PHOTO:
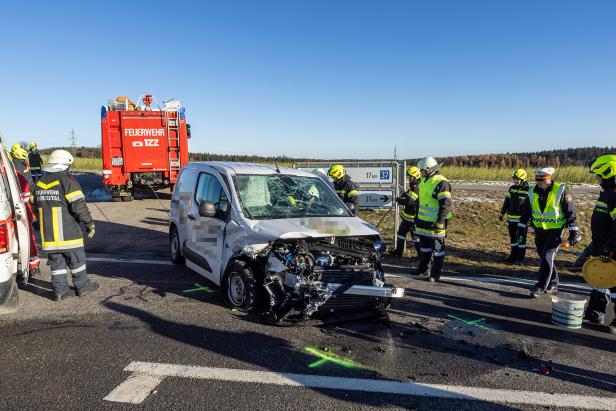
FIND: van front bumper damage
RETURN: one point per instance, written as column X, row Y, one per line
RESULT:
column 325, row 279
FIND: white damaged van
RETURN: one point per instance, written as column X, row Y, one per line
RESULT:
column 280, row 235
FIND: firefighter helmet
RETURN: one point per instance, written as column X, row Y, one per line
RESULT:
column 17, row 151
column 604, row 166
column 414, row 173
column 32, row 145
column 428, row 164
column 520, row 174
column 62, row 157
column 336, row 171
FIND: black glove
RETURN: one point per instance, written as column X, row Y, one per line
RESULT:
column 574, row 237
column 605, row 256
column 500, row 217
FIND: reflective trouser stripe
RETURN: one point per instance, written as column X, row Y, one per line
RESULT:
column 522, row 245
column 439, row 253
column 514, row 244
column 401, row 237
column 59, row 272
column 425, row 250
column 78, row 269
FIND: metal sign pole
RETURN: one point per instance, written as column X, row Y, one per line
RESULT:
column 396, row 207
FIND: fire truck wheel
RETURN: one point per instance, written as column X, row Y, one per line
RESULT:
column 128, row 198
column 115, row 199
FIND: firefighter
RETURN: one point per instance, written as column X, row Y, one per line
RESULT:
column 549, row 207
column 36, row 162
column 61, row 209
column 408, row 200
column 433, row 215
column 20, row 161
column 345, row 187
column 603, row 226
column 511, row 208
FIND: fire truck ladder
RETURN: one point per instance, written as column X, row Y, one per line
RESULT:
column 173, row 141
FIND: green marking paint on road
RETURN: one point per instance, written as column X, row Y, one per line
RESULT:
column 199, row 288
column 476, row 323
column 326, row 356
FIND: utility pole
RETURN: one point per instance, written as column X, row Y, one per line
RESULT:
column 395, row 153
column 73, row 141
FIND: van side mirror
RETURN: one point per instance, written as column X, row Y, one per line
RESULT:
column 207, row 209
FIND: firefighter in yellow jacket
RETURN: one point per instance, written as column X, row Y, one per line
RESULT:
column 62, row 209
column 432, row 217
column 408, row 201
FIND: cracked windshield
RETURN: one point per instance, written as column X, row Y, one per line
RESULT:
column 266, row 197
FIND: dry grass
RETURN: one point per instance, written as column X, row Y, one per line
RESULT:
column 478, row 242
column 565, row 174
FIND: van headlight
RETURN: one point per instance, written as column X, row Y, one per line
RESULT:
column 380, row 246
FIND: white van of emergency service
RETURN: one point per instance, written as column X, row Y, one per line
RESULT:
column 277, row 235
column 14, row 235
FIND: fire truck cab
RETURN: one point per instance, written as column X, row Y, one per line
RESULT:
column 143, row 145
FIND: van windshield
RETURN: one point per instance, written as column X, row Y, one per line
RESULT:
column 265, row 197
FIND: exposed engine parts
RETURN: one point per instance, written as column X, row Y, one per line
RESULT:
column 320, row 277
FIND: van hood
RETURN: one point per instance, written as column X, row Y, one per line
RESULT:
column 310, row 227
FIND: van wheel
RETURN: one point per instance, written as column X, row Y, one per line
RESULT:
column 128, row 198
column 116, row 199
column 175, row 251
column 239, row 287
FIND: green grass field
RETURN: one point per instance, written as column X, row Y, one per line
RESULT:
column 565, row 174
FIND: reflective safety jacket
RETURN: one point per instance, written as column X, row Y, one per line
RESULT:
column 61, row 208
column 434, row 206
column 409, row 201
column 512, row 206
column 603, row 221
column 348, row 192
column 549, row 209
column 35, row 160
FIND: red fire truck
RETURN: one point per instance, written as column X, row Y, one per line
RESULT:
column 144, row 145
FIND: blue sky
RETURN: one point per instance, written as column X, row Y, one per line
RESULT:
column 321, row 79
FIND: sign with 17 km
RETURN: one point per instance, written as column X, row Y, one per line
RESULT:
column 364, row 174
column 376, row 198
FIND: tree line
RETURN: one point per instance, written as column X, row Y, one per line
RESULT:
column 556, row 158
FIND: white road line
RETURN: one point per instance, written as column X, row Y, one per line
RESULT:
column 360, row 384
column 128, row 261
column 135, row 388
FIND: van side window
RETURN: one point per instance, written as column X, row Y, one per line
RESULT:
column 210, row 189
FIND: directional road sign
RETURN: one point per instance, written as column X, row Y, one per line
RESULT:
column 376, row 198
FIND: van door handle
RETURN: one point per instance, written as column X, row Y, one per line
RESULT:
column 192, row 217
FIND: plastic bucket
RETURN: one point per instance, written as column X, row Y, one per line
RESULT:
column 568, row 310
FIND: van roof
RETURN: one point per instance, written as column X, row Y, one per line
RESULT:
column 230, row 167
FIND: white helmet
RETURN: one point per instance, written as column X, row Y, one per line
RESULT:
column 62, row 157
column 428, row 164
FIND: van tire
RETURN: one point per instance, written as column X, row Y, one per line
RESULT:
column 175, row 248
column 239, row 287
column 116, row 199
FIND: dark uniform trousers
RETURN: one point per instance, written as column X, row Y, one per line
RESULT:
column 518, row 244
column 547, row 242
column 405, row 228
column 597, row 306
column 431, row 255
column 75, row 261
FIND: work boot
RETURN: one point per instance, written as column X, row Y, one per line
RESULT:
column 594, row 319
column 35, row 272
column 552, row 289
column 431, row 279
column 88, row 288
column 612, row 328
column 510, row 259
column 64, row 296
column 536, row 292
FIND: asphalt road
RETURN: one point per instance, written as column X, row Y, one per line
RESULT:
column 481, row 341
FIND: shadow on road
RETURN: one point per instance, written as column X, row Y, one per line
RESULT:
column 263, row 351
